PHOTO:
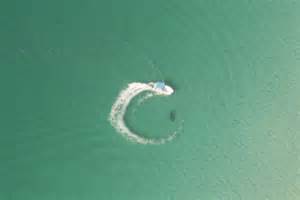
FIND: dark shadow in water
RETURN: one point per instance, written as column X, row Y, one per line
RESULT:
column 172, row 115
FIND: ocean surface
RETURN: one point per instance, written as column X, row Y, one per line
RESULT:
column 235, row 68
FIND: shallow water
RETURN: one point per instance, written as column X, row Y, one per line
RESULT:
column 235, row 69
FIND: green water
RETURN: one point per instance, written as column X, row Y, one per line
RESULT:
column 235, row 66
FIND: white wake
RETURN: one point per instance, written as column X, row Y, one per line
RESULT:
column 119, row 109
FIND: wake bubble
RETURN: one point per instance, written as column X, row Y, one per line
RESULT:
column 119, row 109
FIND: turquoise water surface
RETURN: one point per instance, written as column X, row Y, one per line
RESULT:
column 235, row 67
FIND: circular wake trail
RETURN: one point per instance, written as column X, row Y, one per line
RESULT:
column 119, row 109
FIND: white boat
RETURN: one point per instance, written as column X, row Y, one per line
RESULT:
column 161, row 88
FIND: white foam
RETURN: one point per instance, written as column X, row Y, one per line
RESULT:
column 119, row 108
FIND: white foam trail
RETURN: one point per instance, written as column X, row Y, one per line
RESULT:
column 119, row 108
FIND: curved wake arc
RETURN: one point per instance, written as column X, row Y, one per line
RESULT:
column 119, row 109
